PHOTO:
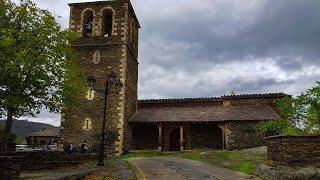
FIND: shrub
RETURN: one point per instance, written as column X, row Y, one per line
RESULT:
column 271, row 128
column 296, row 131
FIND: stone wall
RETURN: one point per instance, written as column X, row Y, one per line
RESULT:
column 294, row 150
column 46, row 160
column 10, row 167
column 131, row 96
column 206, row 136
column 238, row 136
column 145, row 137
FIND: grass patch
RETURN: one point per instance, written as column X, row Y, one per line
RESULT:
column 192, row 156
column 247, row 167
column 234, row 160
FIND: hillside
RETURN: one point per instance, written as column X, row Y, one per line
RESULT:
column 23, row 128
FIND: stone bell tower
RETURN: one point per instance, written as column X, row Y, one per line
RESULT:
column 108, row 41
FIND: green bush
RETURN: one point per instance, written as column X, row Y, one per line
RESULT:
column 297, row 131
column 271, row 128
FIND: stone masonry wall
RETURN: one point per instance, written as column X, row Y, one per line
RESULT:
column 294, row 150
column 10, row 167
column 238, row 136
column 131, row 97
column 44, row 160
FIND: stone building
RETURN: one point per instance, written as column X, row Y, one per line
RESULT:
column 43, row 137
column 108, row 41
column 193, row 123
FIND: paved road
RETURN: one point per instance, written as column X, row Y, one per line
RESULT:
column 172, row 168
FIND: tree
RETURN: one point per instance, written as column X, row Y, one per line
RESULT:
column 285, row 108
column 271, row 128
column 307, row 108
column 37, row 66
column 304, row 109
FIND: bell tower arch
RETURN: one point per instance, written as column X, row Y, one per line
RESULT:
column 105, row 44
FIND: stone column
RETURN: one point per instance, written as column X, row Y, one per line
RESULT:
column 160, row 138
column 181, row 138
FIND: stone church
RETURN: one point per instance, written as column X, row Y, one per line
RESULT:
column 111, row 44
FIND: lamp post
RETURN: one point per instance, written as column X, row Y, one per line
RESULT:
column 112, row 80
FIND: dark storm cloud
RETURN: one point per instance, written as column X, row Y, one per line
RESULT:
column 214, row 36
column 290, row 64
column 255, row 86
column 281, row 28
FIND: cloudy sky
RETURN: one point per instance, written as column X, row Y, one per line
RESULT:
column 209, row 48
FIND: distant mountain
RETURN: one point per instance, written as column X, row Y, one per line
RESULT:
column 22, row 128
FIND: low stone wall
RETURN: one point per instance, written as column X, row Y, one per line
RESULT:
column 47, row 160
column 294, row 150
column 10, row 167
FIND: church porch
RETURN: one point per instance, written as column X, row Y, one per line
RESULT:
column 177, row 136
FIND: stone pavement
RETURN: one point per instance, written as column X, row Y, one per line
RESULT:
column 117, row 169
column 122, row 170
column 167, row 168
column 151, row 168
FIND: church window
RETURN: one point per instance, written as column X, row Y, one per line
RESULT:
column 90, row 94
column 87, row 124
column 107, row 22
column 96, row 57
column 87, row 24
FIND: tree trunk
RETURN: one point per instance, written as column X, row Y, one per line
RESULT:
column 6, row 135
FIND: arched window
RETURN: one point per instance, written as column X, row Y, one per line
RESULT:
column 90, row 94
column 87, row 24
column 107, row 20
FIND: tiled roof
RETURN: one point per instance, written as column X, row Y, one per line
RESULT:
column 205, row 114
column 240, row 96
column 46, row 132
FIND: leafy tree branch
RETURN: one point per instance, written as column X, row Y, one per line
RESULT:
column 37, row 65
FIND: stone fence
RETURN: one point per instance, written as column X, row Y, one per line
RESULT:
column 10, row 167
column 47, row 160
column 291, row 150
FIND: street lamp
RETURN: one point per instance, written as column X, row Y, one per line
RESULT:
column 112, row 80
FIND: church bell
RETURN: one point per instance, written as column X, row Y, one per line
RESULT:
column 88, row 27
